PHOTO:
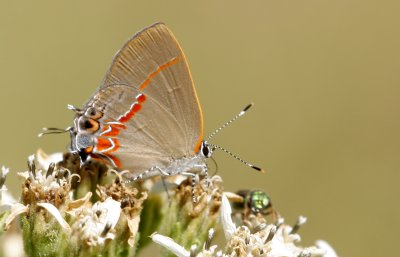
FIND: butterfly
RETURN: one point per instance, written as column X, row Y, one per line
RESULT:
column 145, row 117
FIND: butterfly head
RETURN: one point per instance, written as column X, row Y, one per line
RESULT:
column 84, row 132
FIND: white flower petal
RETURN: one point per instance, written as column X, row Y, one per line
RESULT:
column 102, row 240
column 329, row 252
column 80, row 202
column 6, row 201
column 112, row 211
column 7, row 198
column 56, row 214
column 44, row 159
column 4, row 171
column 24, row 175
column 170, row 245
column 280, row 249
column 226, row 219
column 302, row 220
column 133, row 225
column 95, row 223
column 16, row 209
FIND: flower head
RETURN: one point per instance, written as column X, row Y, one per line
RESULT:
column 131, row 202
column 95, row 225
column 54, row 220
column 51, row 186
column 258, row 239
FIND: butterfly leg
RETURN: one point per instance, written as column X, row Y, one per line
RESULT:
column 162, row 172
column 153, row 171
column 140, row 176
column 165, row 188
column 206, row 174
column 204, row 170
column 193, row 175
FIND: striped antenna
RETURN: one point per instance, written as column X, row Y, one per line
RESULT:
column 240, row 114
column 237, row 158
column 47, row 131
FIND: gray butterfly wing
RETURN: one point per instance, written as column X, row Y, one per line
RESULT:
column 149, row 98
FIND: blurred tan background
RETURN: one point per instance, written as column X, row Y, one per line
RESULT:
column 324, row 77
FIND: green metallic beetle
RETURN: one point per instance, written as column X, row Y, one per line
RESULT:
column 256, row 200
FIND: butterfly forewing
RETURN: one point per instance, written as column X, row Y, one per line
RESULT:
column 151, row 110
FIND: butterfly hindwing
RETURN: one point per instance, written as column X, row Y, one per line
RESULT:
column 150, row 106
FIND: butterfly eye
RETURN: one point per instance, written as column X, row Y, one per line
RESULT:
column 206, row 149
column 93, row 113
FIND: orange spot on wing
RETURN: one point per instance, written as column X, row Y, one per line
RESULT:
column 103, row 144
column 159, row 69
column 89, row 149
column 116, row 161
column 141, row 98
column 135, row 108
column 114, row 130
column 116, row 145
column 107, row 144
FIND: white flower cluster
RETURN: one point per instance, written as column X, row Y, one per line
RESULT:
column 44, row 179
column 94, row 225
column 273, row 240
column 93, row 222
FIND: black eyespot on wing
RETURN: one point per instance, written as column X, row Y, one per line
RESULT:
column 87, row 124
column 84, row 123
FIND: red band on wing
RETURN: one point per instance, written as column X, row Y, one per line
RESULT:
column 107, row 144
column 141, row 98
column 113, row 130
column 159, row 69
column 103, row 144
column 134, row 109
column 114, row 161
